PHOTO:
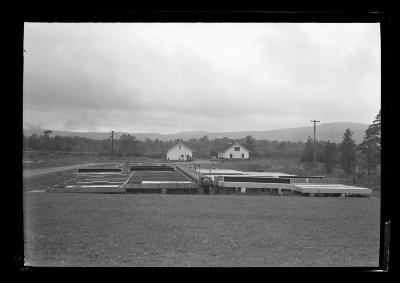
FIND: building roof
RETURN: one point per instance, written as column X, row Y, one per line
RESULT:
column 236, row 144
column 180, row 142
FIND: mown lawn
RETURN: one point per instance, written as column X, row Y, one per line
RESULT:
column 64, row 229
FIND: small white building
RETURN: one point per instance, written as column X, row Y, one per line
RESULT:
column 236, row 151
column 179, row 152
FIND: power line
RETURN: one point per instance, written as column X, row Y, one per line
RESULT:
column 112, row 142
column 315, row 145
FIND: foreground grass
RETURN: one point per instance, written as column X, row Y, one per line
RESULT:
column 199, row 230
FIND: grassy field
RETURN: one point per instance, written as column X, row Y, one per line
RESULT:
column 199, row 230
column 58, row 160
column 54, row 159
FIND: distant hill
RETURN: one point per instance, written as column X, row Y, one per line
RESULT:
column 325, row 131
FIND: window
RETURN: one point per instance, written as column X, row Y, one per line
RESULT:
column 179, row 147
column 230, row 155
column 182, row 155
column 242, row 155
column 237, row 148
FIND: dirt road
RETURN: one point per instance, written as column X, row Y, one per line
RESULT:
column 44, row 171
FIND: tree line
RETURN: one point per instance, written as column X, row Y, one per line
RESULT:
column 128, row 145
column 347, row 154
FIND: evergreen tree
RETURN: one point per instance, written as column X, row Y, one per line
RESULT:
column 47, row 141
column 329, row 156
column 371, row 144
column 348, row 152
column 308, row 153
column 374, row 131
column 47, row 133
column 250, row 144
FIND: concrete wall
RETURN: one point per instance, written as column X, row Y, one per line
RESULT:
column 256, row 185
column 191, row 173
column 161, row 186
column 177, row 152
column 79, row 189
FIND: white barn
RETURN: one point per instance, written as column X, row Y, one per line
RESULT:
column 179, row 152
column 236, row 151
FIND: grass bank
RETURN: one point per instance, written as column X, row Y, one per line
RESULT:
column 199, row 230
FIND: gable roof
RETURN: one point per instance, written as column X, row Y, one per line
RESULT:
column 236, row 144
column 179, row 142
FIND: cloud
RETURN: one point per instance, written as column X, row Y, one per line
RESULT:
column 79, row 125
column 173, row 77
column 30, row 126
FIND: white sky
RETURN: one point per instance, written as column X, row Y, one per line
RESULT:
column 172, row 77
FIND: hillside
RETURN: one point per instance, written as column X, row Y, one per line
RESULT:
column 325, row 131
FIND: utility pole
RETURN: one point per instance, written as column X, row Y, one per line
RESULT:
column 315, row 145
column 112, row 142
